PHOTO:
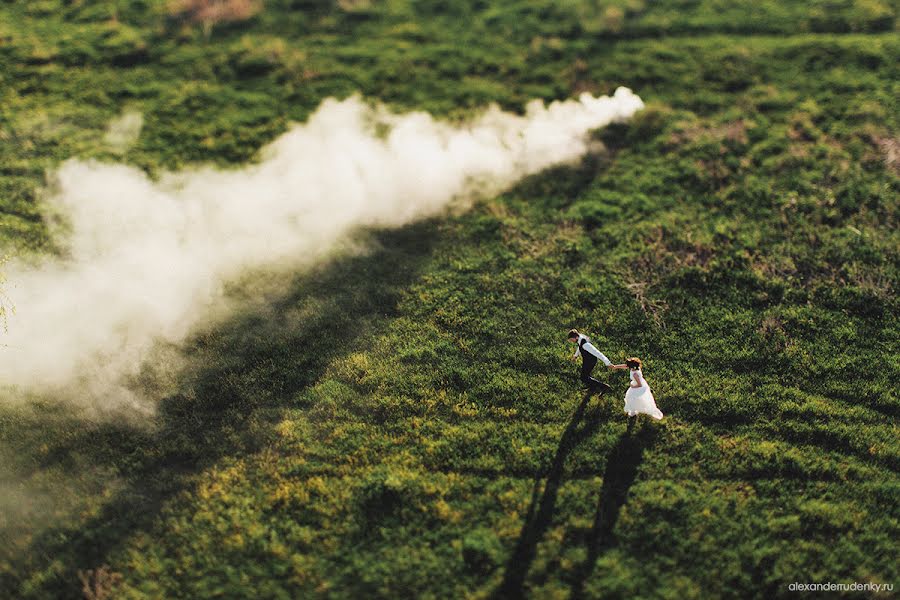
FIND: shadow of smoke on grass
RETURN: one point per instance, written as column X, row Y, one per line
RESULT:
column 242, row 374
column 540, row 511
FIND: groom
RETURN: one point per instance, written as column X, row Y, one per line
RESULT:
column 589, row 355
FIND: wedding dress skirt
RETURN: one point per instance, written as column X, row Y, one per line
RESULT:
column 640, row 400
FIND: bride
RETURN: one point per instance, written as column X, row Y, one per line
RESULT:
column 638, row 398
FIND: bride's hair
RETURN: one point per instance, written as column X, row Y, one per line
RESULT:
column 633, row 363
column 573, row 333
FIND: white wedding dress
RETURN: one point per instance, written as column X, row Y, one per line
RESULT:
column 640, row 399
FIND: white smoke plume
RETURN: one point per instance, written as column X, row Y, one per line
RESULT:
column 123, row 131
column 145, row 259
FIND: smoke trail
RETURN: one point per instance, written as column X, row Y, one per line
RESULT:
column 123, row 131
column 145, row 258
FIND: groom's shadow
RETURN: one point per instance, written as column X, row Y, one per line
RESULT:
column 540, row 512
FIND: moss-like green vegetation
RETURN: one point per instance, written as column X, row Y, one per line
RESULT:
column 403, row 422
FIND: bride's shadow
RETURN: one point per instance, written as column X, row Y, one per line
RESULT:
column 622, row 464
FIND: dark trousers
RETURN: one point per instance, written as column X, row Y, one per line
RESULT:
column 589, row 361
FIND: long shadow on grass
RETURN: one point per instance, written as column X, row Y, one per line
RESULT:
column 622, row 464
column 540, row 512
column 244, row 373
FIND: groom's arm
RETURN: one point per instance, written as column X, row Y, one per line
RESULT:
column 593, row 350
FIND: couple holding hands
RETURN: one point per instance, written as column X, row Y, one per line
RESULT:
column 638, row 398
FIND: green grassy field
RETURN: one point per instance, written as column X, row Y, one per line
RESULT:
column 403, row 422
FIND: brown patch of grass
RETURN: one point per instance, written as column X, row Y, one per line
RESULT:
column 778, row 266
column 890, row 150
column 667, row 252
column 560, row 239
column 354, row 5
column 654, row 308
column 212, row 12
column 798, row 151
column 772, row 329
column 879, row 284
column 734, row 132
column 100, row 583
